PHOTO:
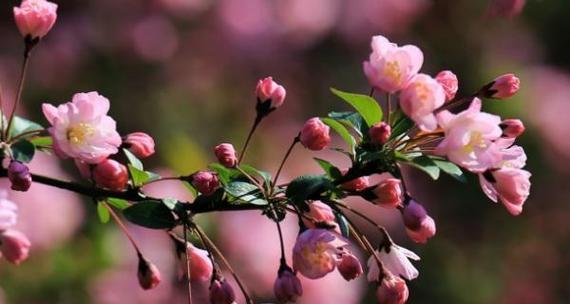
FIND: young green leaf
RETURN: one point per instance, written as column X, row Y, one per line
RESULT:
column 307, row 187
column 21, row 125
column 135, row 162
column 118, row 203
column 342, row 131
column 425, row 164
column 450, row 168
column 103, row 212
column 139, row 177
column 245, row 192
column 255, row 172
column 23, row 150
column 363, row 104
column 41, row 141
column 150, row 214
column 332, row 171
column 351, row 119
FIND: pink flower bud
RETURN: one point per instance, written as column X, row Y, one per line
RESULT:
column 15, row 246
column 226, row 155
column 424, row 232
column 512, row 128
column 380, row 133
column 393, row 290
column 221, row 292
column 270, row 91
column 111, row 174
column 321, row 213
column 419, row 225
column 503, row 86
column 140, row 144
column 315, row 134
column 19, row 175
column 505, row 8
column 35, row 18
column 148, row 274
column 201, row 267
column 388, row 192
column 357, row 184
column 449, row 82
column 349, row 267
column 206, row 182
column 287, row 287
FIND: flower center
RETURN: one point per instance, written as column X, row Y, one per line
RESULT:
column 318, row 256
column 475, row 140
column 392, row 71
column 77, row 134
column 422, row 91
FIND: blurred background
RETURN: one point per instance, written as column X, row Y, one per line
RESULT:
column 185, row 72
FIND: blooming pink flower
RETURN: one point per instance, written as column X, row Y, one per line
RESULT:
column 349, row 267
column 226, row 155
column 8, row 212
column 321, row 213
column 270, row 91
column 148, row 274
column 469, row 138
column 504, row 86
column 140, row 144
column 420, row 98
column 315, row 134
column 393, row 290
column 15, row 246
column 221, row 292
column 449, row 82
column 201, row 267
column 357, row 184
column 396, row 260
column 390, row 68
column 387, row 192
column 206, row 182
column 111, row 174
column 35, row 18
column 509, row 185
column 81, row 128
column 317, row 252
column 419, row 225
column 512, row 128
column 19, row 175
column 380, row 133
column 287, row 287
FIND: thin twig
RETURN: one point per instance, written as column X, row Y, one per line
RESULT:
column 20, row 89
column 188, row 262
column 295, row 141
column 256, row 122
column 122, row 226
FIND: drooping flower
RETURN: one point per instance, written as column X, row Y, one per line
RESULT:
column 420, row 98
column 315, row 134
column 449, row 82
column 419, row 225
column 469, row 138
column 387, row 192
column 35, row 18
column 111, row 174
column 390, row 67
column 226, row 154
column 396, row 260
column 81, row 128
column 14, row 246
column 316, row 252
column 349, row 267
column 8, row 212
column 140, row 144
column 269, row 91
column 19, row 175
column 509, row 185
column 221, row 292
column 380, row 133
column 201, row 267
column 148, row 274
column 392, row 290
column 206, row 182
column 287, row 287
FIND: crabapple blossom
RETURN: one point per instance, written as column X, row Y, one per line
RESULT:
column 206, row 182
column 420, row 98
column 35, row 18
column 392, row 290
column 512, row 128
column 315, row 134
column 449, row 82
column 270, row 91
column 221, row 292
column 201, row 267
column 380, row 133
column 419, row 225
column 502, row 87
column 287, row 287
column 8, row 212
column 226, row 154
column 14, row 246
column 321, row 214
column 316, row 252
column 396, row 260
column 509, row 185
column 140, row 144
column 387, row 192
column 390, row 67
column 111, row 174
column 349, row 267
column 81, row 128
column 19, row 175
column 357, row 184
column 148, row 274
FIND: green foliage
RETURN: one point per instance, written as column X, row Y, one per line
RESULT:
column 353, row 120
column 243, row 192
column 307, row 187
column 425, row 164
column 103, row 212
column 331, row 171
column 363, row 104
column 150, row 214
column 342, row 131
column 450, row 168
column 23, row 150
column 21, row 125
column 117, row 203
column 138, row 175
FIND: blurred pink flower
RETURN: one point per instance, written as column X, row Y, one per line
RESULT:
column 111, row 174
column 505, row 8
column 14, row 246
column 380, row 133
column 155, row 38
column 8, row 212
column 392, row 290
column 270, row 91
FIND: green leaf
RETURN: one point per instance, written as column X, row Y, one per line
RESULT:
column 343, row 224
column 139, row 177
column 118, row 203
column 427, row 165
column 23, row 150
column 353, row 120
column 342, row 131
column 103, row 213
column 401, row 125
column 21, row 125
column 364, row 104
column 450, row 168
column 245, row 192
column 42, row 141
column 150, row 214
column 135, row 162
column 253, row 171
column 170, row 203
column 329, row 168
column 225, row 175
column 307, row 187
column 190, row 188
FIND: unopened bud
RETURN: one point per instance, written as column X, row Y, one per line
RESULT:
column 502, row 87
column 349, row 267
column 287, row 287
column 512, row 128
column 221, row 292
column 15, row 246
column 111, row 174
column 140, row 144
column 380, row 133
column 19, row 175
column 148, row 274
column 226, row 155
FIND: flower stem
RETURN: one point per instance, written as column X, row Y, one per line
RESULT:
column 188, row 262
column 388, row 107
column 295, row 141
column 123, row 227
column 256, row 122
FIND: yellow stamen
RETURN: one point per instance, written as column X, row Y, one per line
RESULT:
column 77, row 134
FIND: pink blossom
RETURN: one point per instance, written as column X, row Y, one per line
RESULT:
column 420, row 99
column 15, row 246
column 396, row 260
column 148, row 274
column 270, row 91
column 35, row 18
column 206, row 182
column 357, row 184
column 512, row 128
column 449, row 82
column 419, row 226
column 390, row 68
column 509, row 185
column 317, row 252
column 8, row 212
column 226, row 154
column 201, row 267
column 81, row 128
column 469, row 138
column 287, row 287
column 349, row 267
column 315, row 134
column 504, row 86
column 393, row 290
column 221, row 292
column 19, row 175
column 111, row 174
column 380, row 133
column 387, row 192
column 140, row 144
column 320, row 213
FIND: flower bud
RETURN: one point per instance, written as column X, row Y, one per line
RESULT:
column 271, row 93
column 419, row 226
column 380, row 133
column 111, row 174
column 201, row 267
column 206, row 182
column 357, row 184
column 148, row 274
column 35, row 18
column 512, row 128
column 322, row 216
column 19, row 175
column 221, row 292
column 387, row 193
column 315, row 134
column 349, row 267
column 140, row 144
column 287, row 287
column 15, row 246
column 502, row 87
column 226, row 155
column 393, row 290
column 449, row 82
